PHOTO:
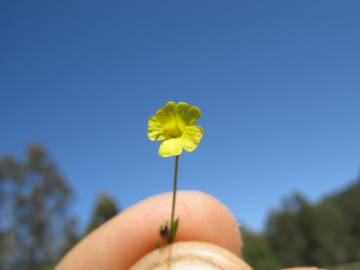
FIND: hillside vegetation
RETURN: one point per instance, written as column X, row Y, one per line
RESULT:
column 300, row 233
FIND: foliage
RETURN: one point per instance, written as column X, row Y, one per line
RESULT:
column 349, row 266
column 105, row 209
column 284, row 230
column 324, row 234
column 33, row 219
column 348, row 202
column 257, row 251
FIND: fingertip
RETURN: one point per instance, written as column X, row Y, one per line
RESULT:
column 127, row 237
column 208, row 219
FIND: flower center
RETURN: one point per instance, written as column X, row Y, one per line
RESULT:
column 172, row 132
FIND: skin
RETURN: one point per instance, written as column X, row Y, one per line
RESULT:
column 127, row 237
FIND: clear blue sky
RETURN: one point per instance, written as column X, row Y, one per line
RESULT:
column 278, row 83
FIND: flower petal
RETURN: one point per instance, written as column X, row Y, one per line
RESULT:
column 155, row 130
column 186, row 114
column 168, row 120
column 171, row 147
column 167, row 113
column 191, row 137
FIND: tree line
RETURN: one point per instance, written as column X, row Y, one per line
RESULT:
column 36, row 228
column 323, row 234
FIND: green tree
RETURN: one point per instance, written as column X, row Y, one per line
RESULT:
column 33, row 201
column 348, row 201
column 104, row 210
column 285, row 234
column 257, row 251
column 322, row 234
column 327, row 235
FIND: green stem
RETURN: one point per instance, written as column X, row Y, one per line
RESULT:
column 174, row 195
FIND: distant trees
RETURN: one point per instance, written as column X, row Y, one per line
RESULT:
column 35, row 228
column 348, row 202
column 105, row 209
column 300, row 233
column 257, row 251
column 33, row 219
column 285, row 233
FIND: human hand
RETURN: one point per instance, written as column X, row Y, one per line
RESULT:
column 127, row 237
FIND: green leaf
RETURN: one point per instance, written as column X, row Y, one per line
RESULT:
column 173, row 229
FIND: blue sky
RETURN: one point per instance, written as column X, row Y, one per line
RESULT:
column 278, row 83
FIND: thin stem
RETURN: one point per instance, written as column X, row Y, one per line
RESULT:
column 174, row 191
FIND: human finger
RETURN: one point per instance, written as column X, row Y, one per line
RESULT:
column 127, row 237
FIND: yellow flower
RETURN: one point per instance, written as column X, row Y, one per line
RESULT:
column 174, row 123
